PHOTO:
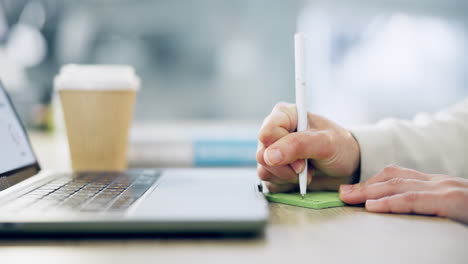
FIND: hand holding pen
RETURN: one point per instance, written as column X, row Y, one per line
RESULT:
column 284, row 144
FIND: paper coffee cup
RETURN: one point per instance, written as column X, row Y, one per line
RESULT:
column 98, row 103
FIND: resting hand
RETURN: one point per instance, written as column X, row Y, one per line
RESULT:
column 332, row 151
column 399, row 190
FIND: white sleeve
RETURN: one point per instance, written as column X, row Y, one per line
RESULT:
column 434, row 143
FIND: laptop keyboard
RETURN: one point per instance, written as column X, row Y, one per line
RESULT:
column 88, row 192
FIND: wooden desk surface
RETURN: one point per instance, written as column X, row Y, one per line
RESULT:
column 336, row 235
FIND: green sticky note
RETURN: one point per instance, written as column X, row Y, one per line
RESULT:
column 315, row 200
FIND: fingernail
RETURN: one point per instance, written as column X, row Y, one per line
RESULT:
column 273, row 156
column 346, row 188
column 298, row 167
column 371, row 205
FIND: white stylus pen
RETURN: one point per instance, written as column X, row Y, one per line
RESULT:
column 301, row 87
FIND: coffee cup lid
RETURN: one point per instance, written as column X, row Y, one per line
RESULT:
column 96, row 77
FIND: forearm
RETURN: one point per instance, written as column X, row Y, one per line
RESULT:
column 430, row 143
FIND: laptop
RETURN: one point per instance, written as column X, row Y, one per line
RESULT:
column 137, row 201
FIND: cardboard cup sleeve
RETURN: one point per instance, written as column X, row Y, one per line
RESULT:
column 97, row 124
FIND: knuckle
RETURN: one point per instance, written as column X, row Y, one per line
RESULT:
column 266, row 122
column 287, row 109
column 391, row 169
column 453, row 194
column 396, row 181
column 294, row 143
column 263, row 173
column 410, row 197
column 450, row 182
column 260, row 158
column 324, row 139
column 281, row 106
column 260, row 154
column 363, row 189
column 264, row 136
column 267, row 136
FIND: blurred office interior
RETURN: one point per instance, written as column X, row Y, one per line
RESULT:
column 203, row 59
column 212, row 70
column 232, row 60
column 370, row 60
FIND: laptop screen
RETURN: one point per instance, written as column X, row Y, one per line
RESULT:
column 16, row 154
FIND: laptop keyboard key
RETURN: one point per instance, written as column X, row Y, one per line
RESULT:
column 88, row 192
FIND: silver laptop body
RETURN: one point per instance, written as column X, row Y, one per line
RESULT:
column 139, row 201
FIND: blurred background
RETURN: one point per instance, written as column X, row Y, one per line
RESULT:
column 370, row 60
column 231, row 61
column 203, row 59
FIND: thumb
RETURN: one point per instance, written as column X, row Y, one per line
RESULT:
column 309, row 144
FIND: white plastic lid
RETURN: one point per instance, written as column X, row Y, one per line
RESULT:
column 96, row 77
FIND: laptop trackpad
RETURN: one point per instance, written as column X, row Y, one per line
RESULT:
column 204, row 194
